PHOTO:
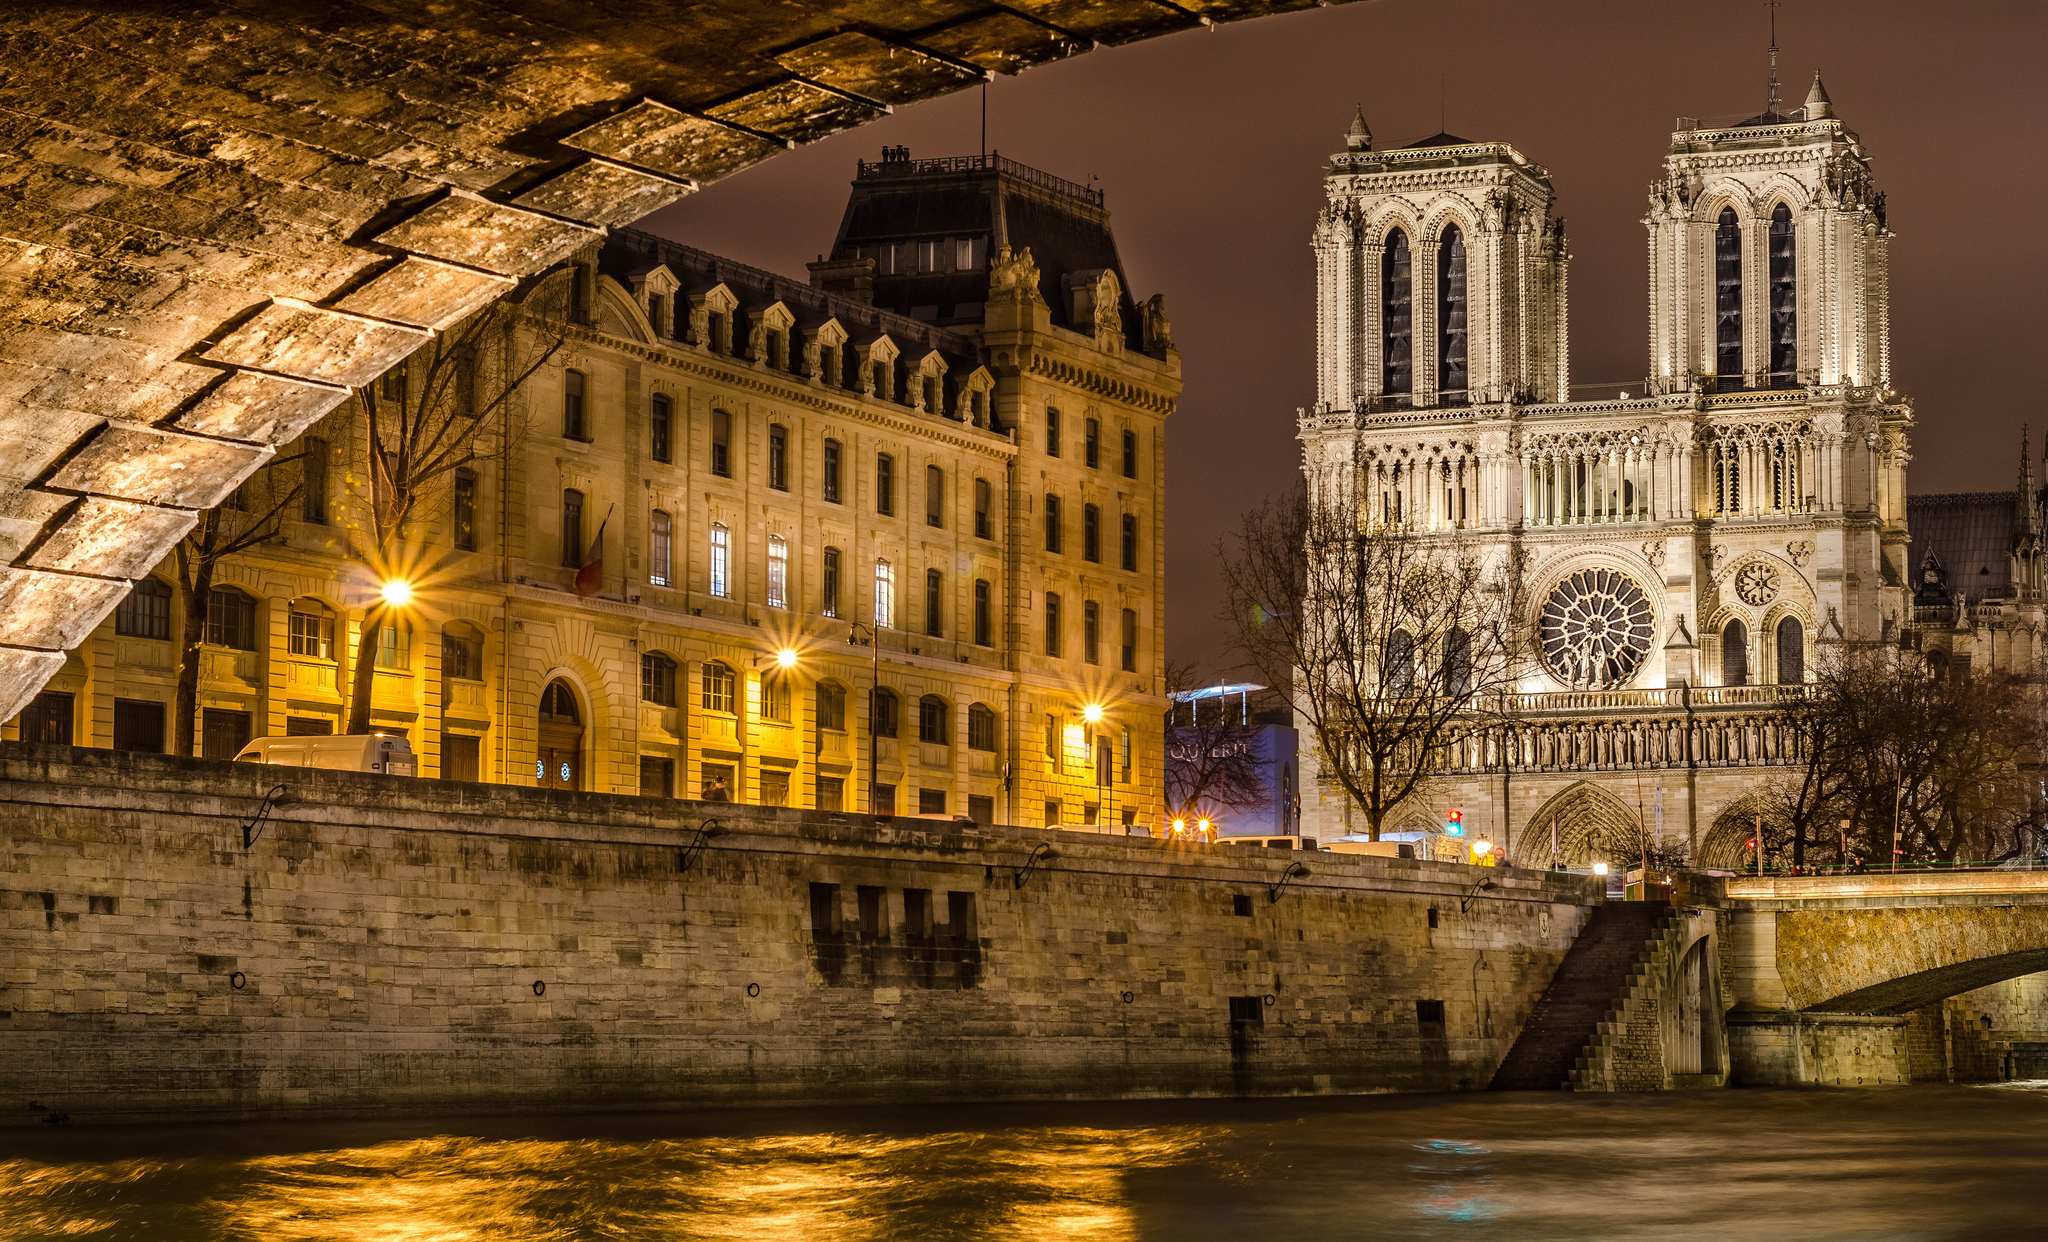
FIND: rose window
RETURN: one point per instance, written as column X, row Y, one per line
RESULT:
column 1596, row 629
column 1757, row 583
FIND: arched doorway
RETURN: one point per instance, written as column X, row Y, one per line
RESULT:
column 560, row 761
column 1591, row 824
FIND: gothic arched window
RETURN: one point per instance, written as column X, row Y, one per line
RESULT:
column 1450, row 318
column 1727, row 303
column 1458, row 664
column 1784, row 300
column 1791, row 652
column 1397, row 357
column 1401, row 663
column 1735, row 655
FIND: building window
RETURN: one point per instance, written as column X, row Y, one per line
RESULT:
column 828, row 363
column 1094, row 444
column 981, row 728
column 47, row 719
column 394, row 645
column 661, row 428
column 886, row 723
column 313, row 457
column 718, row 687
column 714, row 325
column 885, row 596
column 391, row 387
column 660, row 549
column 1052, row 624
column 1791, row 652
column 1052, row 432
column 778, row 572
column 885, row 484
column 774, row 350
column 934, row 603
column 1784, row 299
column 1055, row 756
column 975, row 411
column 981, row 506
column 1131, row 542
column 1401, row 663
column 465, row 510
column 1091, row 632
column 1052, row 523
column 775, row 697
column 1130, row 454
column 462, row 656
column 311, row 626
column 657, row 776
column 139, row 726
column 934, row 496
column 146, row 612
column 778, row 457
column 657, row 678
column 721, row 444
column 831, row 707
column 931, row 721
column 1130, row 641
column 934, row 395
column 969, row 253
column 572, row 405
column 572, row 527
column 831, row 793
column 829, row 475
column 657, row 314
column 1727, row 302
column 1396, row 304
column 981, row 612
column 1091, row 533
column 1450, row 317
column 721, row 561
column 829, row 605
column 1735, row 655
column 230, row 619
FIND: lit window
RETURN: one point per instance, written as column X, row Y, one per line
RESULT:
column 829, row 588
column 718, row 688
column 312, row 629
column 658, row 552
column 146, row 612
column 885, row 595
column 778, row 572
column 721, row 561
column 658, row 679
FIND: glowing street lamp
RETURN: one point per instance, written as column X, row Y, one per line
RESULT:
column 1599, row 868
column 786, row 657
column 397, row 592
column 1481, row 849
column 1092, row 713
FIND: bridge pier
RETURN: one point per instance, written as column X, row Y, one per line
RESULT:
column 1790, row 1048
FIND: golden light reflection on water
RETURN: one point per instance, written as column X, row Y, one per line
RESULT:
column 1040, row 1183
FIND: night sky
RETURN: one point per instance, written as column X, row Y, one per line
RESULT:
column 1211, row 146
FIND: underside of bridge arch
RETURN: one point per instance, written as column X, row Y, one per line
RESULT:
column 1909, row 992
column 218, row 216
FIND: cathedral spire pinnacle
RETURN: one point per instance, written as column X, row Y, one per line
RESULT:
column 1818, row 105
column 1358, row 137
column 1771, row 108
column 2027, row 517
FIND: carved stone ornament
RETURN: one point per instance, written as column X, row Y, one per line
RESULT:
column 1653, row 552
column 1800, row 551
column 1712, row 556
column 1757, row 583
column 1596, row 629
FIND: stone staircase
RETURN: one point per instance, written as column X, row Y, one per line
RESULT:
column 1593, row 1002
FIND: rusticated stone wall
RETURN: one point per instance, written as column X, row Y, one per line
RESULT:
column 420, row 945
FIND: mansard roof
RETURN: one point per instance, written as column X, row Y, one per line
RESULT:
column 1970, row 533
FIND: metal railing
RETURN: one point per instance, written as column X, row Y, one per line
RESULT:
column 991, row 162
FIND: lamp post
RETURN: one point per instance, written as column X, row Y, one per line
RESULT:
column 1104, row 773
column 874, row 698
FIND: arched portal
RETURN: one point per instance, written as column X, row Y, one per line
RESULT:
column 1726, row 845
column 1591, row 824
column 559, row 762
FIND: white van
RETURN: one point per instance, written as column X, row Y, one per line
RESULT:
column 1277, row 841
column 349, row 752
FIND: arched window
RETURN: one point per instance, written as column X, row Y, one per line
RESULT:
column 718, row 683
column 828, row 587
column 885, row 713
column 311, row 626
column 1397, row 356
column 1091, row 533
column 559, row 762
column 1052, row 523
column 1735, row 655
column 1401, row 663
column 230, row 619
column 1791, row 652
column 931, row 720
column 657, row 678
column 778, row 572
column 146, row 612
column 885, row 595
column 1457, row 663
column 721, row 561
column 831, row 707
column 1728, row 303
column 981, row 728
column 572, row 406
column 775, row 696
column 1784, row 299
column 934, row 496
column 659, row 549
column 778, row 457
column 1450, row 317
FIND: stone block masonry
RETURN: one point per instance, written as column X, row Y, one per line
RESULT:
column 391, row 945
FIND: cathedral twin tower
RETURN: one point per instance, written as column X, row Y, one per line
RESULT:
column 1746, row 504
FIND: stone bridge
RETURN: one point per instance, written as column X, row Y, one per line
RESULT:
column 1827, row 973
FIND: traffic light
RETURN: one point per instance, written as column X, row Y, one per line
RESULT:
column 1454, row 822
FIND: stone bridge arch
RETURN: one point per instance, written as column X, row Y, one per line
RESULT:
column 222, row 216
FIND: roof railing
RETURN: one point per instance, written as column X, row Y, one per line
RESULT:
column 904, row 166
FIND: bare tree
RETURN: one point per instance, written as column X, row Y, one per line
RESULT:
column 446, row 408
column 249, row 516
column 1212, row 760
column 1394, row 644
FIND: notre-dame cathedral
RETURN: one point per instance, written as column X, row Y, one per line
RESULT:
column 1687, row 547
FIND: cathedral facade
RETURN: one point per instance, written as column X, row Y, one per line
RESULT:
column 1684, row 548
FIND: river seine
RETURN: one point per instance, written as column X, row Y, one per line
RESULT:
column 1921, row 1162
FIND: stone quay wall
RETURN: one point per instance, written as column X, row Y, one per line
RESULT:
column 410, row 945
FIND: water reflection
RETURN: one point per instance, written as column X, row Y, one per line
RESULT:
column 1911, row 1163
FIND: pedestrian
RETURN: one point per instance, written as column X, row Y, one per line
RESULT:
column 718, row 792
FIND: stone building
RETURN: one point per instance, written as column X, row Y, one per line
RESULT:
column 937, row 467
column 1685, row 545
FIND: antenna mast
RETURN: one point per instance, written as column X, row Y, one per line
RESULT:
column 1771, row 108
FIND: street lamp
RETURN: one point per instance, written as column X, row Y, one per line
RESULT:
column 786, row 657
column 1105, row 775
column 1600, row 868
column 397, row 592
column 874, row 696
